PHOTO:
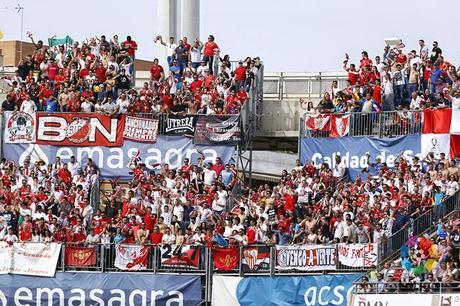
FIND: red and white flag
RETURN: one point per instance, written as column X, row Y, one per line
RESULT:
column 436, row 129
column 340, row 125
column 320, row 122
column 131, row 257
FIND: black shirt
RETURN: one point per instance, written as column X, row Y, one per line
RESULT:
column 123, row 82
column 8, row 105
column 179, row 108
column 435, row 53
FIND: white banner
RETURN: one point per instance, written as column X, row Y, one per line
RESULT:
column 131, row 257
column 455, row 121
column 38, row 259
column 391, row 299
column 19, row 127
column 305, row 257
column 446, row 299
column 224, row 290
column 141, row 129
column 358, row 255
column 435, row 143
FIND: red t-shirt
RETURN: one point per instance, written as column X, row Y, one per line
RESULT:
column 100, row 73
column 240, row 73
column 289, row 202
column 52, row 71
column 155, row 72
column 209, row 48
column 155, row 238
column 132, row 46
column 353, row 76
column 377, row 93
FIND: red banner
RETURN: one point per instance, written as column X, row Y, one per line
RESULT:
column 320, row 122
column 79, row 130
column 80, row 256
column 226, row 258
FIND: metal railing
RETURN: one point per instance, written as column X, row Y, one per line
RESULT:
column 106, row 253
column 280, row 86
column 382, row 287
column 384, row 124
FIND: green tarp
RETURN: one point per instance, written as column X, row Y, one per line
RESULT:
column 54, row 41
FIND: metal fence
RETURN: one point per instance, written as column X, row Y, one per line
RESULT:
column 384, row 124
column 106, row 254
column 381, row 287
column 389, row 249
column 282, row 85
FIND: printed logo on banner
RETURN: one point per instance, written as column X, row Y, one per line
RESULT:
column 88, row 288
column 217, row 130
column 311, row 290
column 141, row 129
column 449, row 300
column 131, row 257
column 181, row 125
column 358, row 255
column 306, row 257
column 392, row 299
column 113, row 162
column 38, row 259
column 79, row 130
column 20, row 127
column 255, row 258
column 183, row 256
column 353, row 150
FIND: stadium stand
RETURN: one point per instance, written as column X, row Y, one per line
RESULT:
column 98, row 76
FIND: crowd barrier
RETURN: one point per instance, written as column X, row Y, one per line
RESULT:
column 198, row 259
column 407, row 288
column 384, row 124
column 389, row 249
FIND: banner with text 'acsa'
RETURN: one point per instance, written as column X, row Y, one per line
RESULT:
column 283, row 290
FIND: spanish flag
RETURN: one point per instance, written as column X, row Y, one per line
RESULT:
column 1, row 34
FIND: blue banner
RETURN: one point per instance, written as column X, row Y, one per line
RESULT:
column 353, row 151
column 114, row 161
column 101, row 289
column 309, row 290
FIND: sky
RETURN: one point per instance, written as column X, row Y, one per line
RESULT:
column 288, row 35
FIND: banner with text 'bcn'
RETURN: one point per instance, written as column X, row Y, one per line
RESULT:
column 353, row 151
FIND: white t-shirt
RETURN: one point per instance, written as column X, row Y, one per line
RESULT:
column 339, row 170
column 171, row 48
column 86, row 107
column 28, row 106
column 168, row 239
column 209, row 176
column 195, row 55
column 178, row 211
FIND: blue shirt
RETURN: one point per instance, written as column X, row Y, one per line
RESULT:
column 227, row 177
column 51, row 106
column 435, row 75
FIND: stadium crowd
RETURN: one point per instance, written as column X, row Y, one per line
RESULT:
column 98, row 75
column 397, row 80
column 196, row 204
column 426, row 263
